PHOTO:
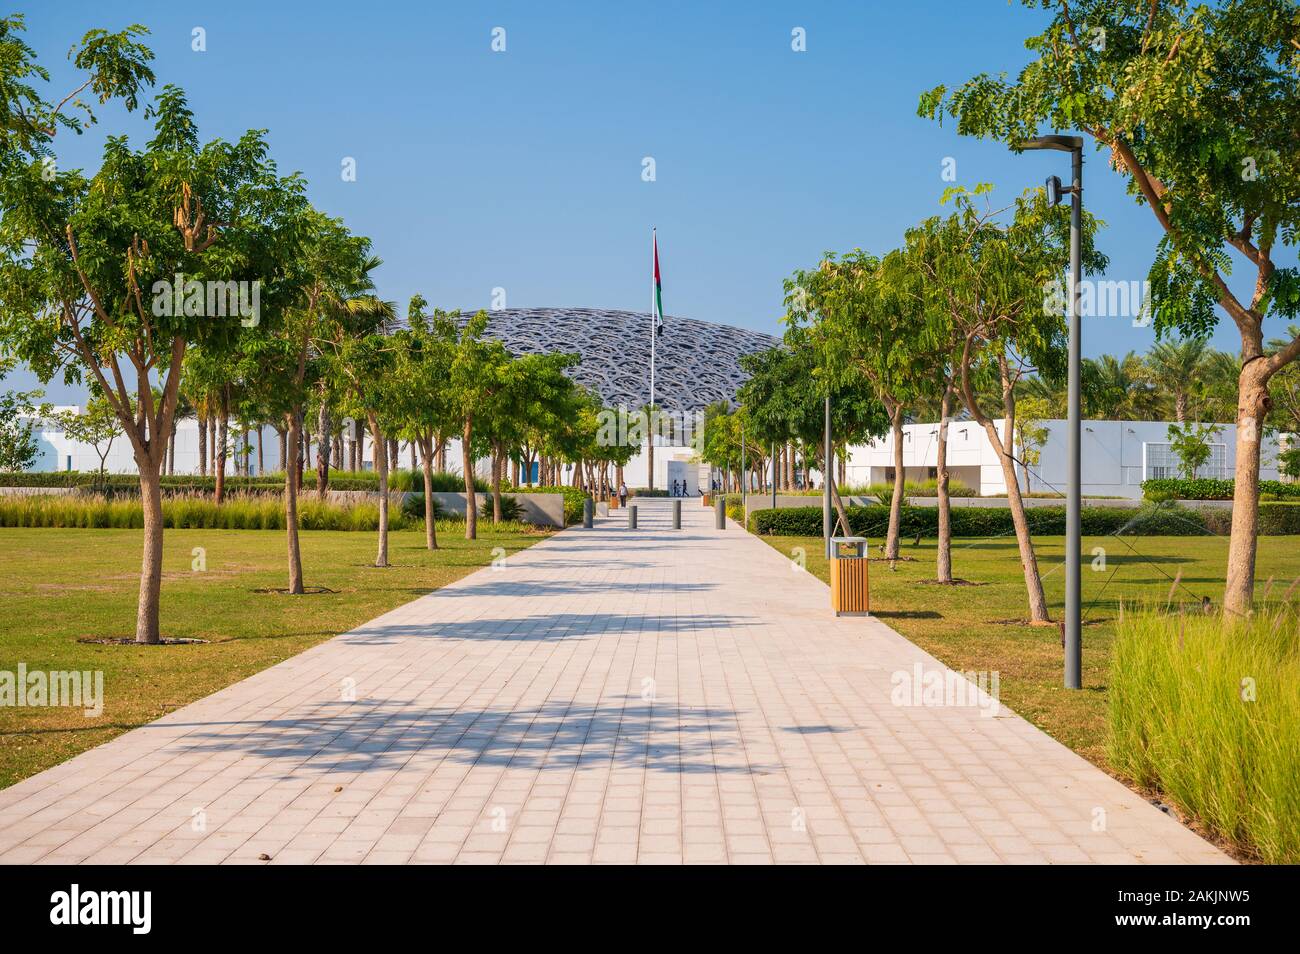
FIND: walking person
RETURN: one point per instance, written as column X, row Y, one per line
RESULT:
column 622, row 495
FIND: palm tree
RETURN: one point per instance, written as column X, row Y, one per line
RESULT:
column 1116, row 390
column 1215, row 387
column 1174, row 367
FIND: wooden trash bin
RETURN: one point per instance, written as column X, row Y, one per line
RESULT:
column 850, row 593
column 707, row 500
column 613, row 501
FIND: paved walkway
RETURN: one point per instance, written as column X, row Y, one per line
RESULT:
column 609, row 696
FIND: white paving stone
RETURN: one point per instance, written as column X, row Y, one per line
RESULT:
column 610, row 696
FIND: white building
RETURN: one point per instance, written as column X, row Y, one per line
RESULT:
column 1116, row 457
column 56, row 451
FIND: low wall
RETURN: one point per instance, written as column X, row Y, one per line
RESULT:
column 542, row 510
column 37, row 491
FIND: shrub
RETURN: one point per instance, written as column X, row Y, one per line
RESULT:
column 1207, row 488
column 1152, row 520
column 271, row 483
column 1208, row 713
column 511, row 508
column 925, row 488
column 413, row 507
column 193, row 513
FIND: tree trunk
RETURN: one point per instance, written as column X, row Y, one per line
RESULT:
column 1253, row 405
column 471, row 499
column 497, row 463
column 393, row 462
column 1180, row 406
column 219, row 460
column 430, row 531
column 839, row 509
column 414, row 466
column 381, row 460
column 147, row 609
column 303, row 449
column 284, row 450
column 291, row 506
column 650, row 446
column 324, row 427
column 261, row 449
column 442, row 455
column 1028, row 560
column 896, row 502
column 203, row 446
column 943, row 553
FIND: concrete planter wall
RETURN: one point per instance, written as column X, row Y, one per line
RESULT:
column 542, row 510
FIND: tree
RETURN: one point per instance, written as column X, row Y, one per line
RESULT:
column 18, row 448
column 864, row 335
column 784, row 400
column 476, row 369
column 532, row 391
column 913, row 274
column 86, row 271
column 990, row 274
column 1116, row 389
column 116, row 66
column 1031, row 434
column 1191, row 442
column 422, row 401
column 1174, row 368
column 328, row 300
column 98, row 426
column 1198, row 106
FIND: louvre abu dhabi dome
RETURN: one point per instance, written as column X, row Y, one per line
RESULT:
column 696, row 362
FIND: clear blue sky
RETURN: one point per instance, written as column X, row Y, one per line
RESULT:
column 522, row 169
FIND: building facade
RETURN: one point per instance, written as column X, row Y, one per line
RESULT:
column 1116, row 457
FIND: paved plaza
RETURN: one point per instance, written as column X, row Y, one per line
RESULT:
column 609, row 695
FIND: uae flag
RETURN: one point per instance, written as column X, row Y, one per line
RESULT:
column 659, row 290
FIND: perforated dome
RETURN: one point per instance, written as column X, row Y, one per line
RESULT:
column 696, row 362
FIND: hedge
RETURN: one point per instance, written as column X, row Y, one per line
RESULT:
column 1275, row 519
column 400, row 480
column 1209, row 488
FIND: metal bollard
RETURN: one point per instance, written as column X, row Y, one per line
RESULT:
column 720, row 513
column 677, row 514
column 588, row 508
column 631, row 516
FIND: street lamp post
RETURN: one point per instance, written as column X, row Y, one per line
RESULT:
column 1073, row 501
column 826, row 482
column 744, row 472
column 773, row 458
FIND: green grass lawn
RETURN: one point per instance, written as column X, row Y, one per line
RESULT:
column 983, row 627
column 59, row 586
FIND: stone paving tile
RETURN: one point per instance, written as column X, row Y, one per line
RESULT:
column 610, row 697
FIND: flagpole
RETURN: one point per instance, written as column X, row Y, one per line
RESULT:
column 653, row 329
column 654, row 333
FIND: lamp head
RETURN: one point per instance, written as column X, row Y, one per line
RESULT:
column 1059, row 143
column 1053, row 190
